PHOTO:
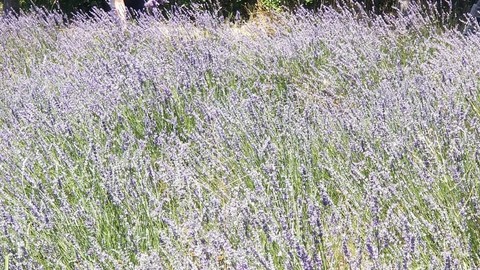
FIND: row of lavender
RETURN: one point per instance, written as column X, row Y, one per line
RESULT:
column 297, row 141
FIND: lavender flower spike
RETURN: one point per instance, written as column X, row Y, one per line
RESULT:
column 155, row 3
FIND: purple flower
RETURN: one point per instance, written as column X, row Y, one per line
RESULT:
column 155, row 3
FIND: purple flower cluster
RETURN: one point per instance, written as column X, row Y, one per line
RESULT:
column 324, row 140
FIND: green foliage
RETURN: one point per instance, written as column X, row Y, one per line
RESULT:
column 229, row 8
column 66, row 6
column 272, row 4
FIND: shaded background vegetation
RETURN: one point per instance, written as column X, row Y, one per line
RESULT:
column 455, row 8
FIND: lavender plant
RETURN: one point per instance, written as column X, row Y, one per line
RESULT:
column 302, row 141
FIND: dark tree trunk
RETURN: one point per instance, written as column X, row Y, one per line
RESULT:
column 11, row 6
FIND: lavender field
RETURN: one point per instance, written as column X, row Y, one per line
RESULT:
column 293, row 141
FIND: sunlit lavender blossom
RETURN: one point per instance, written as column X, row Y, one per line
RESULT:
column 325, row 140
